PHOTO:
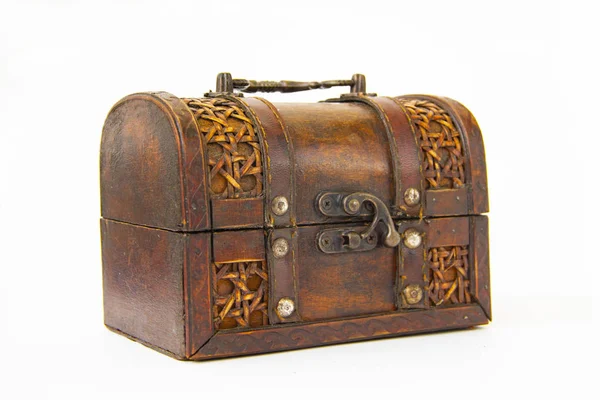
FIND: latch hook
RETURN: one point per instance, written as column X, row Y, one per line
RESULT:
column 334, row 204
column 354, row 202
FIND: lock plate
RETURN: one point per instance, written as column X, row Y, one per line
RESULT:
column 335, row 204
column 343, row 240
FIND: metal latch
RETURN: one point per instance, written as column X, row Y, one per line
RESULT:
column 339, row 240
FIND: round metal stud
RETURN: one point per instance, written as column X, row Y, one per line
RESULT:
column 412, row 238
column 413, row 294
column 412, row 196
column 280, row 248
column 279, row 205
column 285, row 307
column 353, row 206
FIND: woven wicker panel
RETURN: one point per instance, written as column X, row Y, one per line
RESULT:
column 448, row 275
column 240, row 295
column 441, row 144
column 234, row 154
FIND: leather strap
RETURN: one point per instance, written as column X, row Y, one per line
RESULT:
column 279, row 181
column 280, row 174
column 282, row 274
column 411, row 265
column 408, row 153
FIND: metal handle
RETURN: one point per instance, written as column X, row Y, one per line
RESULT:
column 226, row 84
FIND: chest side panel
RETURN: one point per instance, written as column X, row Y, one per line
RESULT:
column 143, row 284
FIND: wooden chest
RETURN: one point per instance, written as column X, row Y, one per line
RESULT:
column 234, row 226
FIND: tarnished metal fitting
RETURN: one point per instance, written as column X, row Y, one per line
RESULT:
column 285, row 307
column 413, row 294
column 279, row 205
column 354, row 240
column 280, row 248
column 412, row 238
column 353, row 206
column 412, row 196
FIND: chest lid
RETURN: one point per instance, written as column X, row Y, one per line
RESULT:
column 230, row 162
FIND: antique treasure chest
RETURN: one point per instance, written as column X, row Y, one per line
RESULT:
column 234, row 226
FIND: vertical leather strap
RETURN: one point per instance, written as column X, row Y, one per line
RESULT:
column 282, row 274
column 280, row 159
column 411, row 265
column 279, row 182
column 409, row 163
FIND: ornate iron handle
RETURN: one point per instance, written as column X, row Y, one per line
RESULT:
column 355, row 204
column 226, row 84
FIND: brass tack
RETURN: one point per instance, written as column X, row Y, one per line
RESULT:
column 412, row 238
column 285, row 307
column 413, row 294
column 279, row 205
column 412, row 196
column 280, row 248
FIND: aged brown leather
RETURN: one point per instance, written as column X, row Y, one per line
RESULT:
column 280, row 161
column 143, row 284
column 283, row 274
column 171, row 193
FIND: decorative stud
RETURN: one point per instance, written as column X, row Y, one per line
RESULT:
column 285, row 307
column 412, row 238
column 280, row 248
column 279, row 205
column 353, row 206
column 412, row 196
column 413, row 294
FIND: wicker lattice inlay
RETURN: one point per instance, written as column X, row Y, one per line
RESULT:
column 240, row 294
column 234, row 154
column 448, row 275
column 441, row 145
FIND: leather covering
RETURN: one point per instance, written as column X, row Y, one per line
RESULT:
column 196, row 194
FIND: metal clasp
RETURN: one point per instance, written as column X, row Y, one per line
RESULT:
column 335, row 204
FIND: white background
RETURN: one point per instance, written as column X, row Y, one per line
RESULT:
column 528, row 72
